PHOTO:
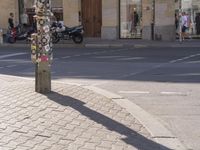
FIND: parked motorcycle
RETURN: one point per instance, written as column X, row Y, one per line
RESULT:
column 19, row 33
column 61, row 32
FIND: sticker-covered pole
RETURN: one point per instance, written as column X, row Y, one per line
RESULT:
column 41, row 47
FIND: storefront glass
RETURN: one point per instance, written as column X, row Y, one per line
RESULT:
column 192, row 9
column 130, row 18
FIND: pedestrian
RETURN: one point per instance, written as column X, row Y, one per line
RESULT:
column 11, row 21
column 34, row 23
column 184, row 25
column 24, row 18
column 197, row 21
column 177, row 24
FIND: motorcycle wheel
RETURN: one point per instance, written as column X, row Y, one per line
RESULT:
column 55, row 38
column 77, row 38
column 11, row 40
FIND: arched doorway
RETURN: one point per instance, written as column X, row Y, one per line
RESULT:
column 91, row 12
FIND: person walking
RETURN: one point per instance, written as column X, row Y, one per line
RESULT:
column 11, row 21
column 184, row 26
column 197, row 21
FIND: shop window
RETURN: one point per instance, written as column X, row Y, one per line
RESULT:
column 192, row 9
column 130, row 19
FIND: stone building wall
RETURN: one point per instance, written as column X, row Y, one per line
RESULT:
column 164, row 28
column 8, row 6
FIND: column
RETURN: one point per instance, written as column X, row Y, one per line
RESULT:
column 147, row 16
column 165, row 20
column 71, row 10
column 110, row 17
column 164, row 23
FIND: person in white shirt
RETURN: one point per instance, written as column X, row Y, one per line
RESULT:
column 184, row 25
column 24, row 18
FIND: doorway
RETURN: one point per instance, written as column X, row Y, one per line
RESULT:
column 91, row 12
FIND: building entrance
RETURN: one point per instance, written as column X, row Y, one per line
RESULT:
column 91, row 11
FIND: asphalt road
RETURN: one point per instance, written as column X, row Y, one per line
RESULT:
column 163, row 81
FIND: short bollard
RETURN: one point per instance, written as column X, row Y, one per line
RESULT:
column 1, row 36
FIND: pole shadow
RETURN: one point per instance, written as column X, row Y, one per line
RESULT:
column 132, row 137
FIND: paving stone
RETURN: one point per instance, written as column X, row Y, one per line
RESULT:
column 69, row 119
column 12, row 144
column 22, row 148
column 106, row 144
column 40, row 147
column 64, row 142
column 6, row 139
column 73, row 147
column 90, row 146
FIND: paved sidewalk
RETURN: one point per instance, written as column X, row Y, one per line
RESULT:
column 69, row 118
column 101, row 43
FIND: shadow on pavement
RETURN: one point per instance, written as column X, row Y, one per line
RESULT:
column 132, row 137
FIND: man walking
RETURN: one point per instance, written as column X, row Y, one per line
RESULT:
column 11, row 21
column 184, row 25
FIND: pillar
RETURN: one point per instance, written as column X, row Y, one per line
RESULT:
column 110, row 19
column 165, row 20
column 164, row 23
column 147, row 16
column 71, row 10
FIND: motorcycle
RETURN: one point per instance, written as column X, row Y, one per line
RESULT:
column 61, row 32
column 18, row 33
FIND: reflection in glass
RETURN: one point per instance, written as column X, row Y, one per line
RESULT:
column 130, row 19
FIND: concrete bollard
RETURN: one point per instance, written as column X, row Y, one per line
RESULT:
column 1, row 36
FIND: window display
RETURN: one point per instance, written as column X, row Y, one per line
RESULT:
column 130, row 19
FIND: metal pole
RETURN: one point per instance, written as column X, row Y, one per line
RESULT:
column 1, row 36
column 180, row 21
column 153, row 20
column 42, row 47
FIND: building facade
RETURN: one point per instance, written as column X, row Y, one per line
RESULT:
column 113, row 19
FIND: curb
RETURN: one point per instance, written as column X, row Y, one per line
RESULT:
column 161, row 134
column 111, row 45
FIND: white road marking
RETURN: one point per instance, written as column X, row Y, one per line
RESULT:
column 10, row 66
column 131, row 58
column 134, row 92
column 186, row 74
column 16, row 60
column 66, row 57
column 184, row 58
column 193, row 62
column 109, row 57
column 172, row 93
column 10, row 55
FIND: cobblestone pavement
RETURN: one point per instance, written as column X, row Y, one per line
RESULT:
column 68, row 118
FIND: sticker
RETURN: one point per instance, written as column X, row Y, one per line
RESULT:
column 46, row 28
column 44, row 41
column 41, row 21
column 33, row 47
column 47, row 48
column 44, row 58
